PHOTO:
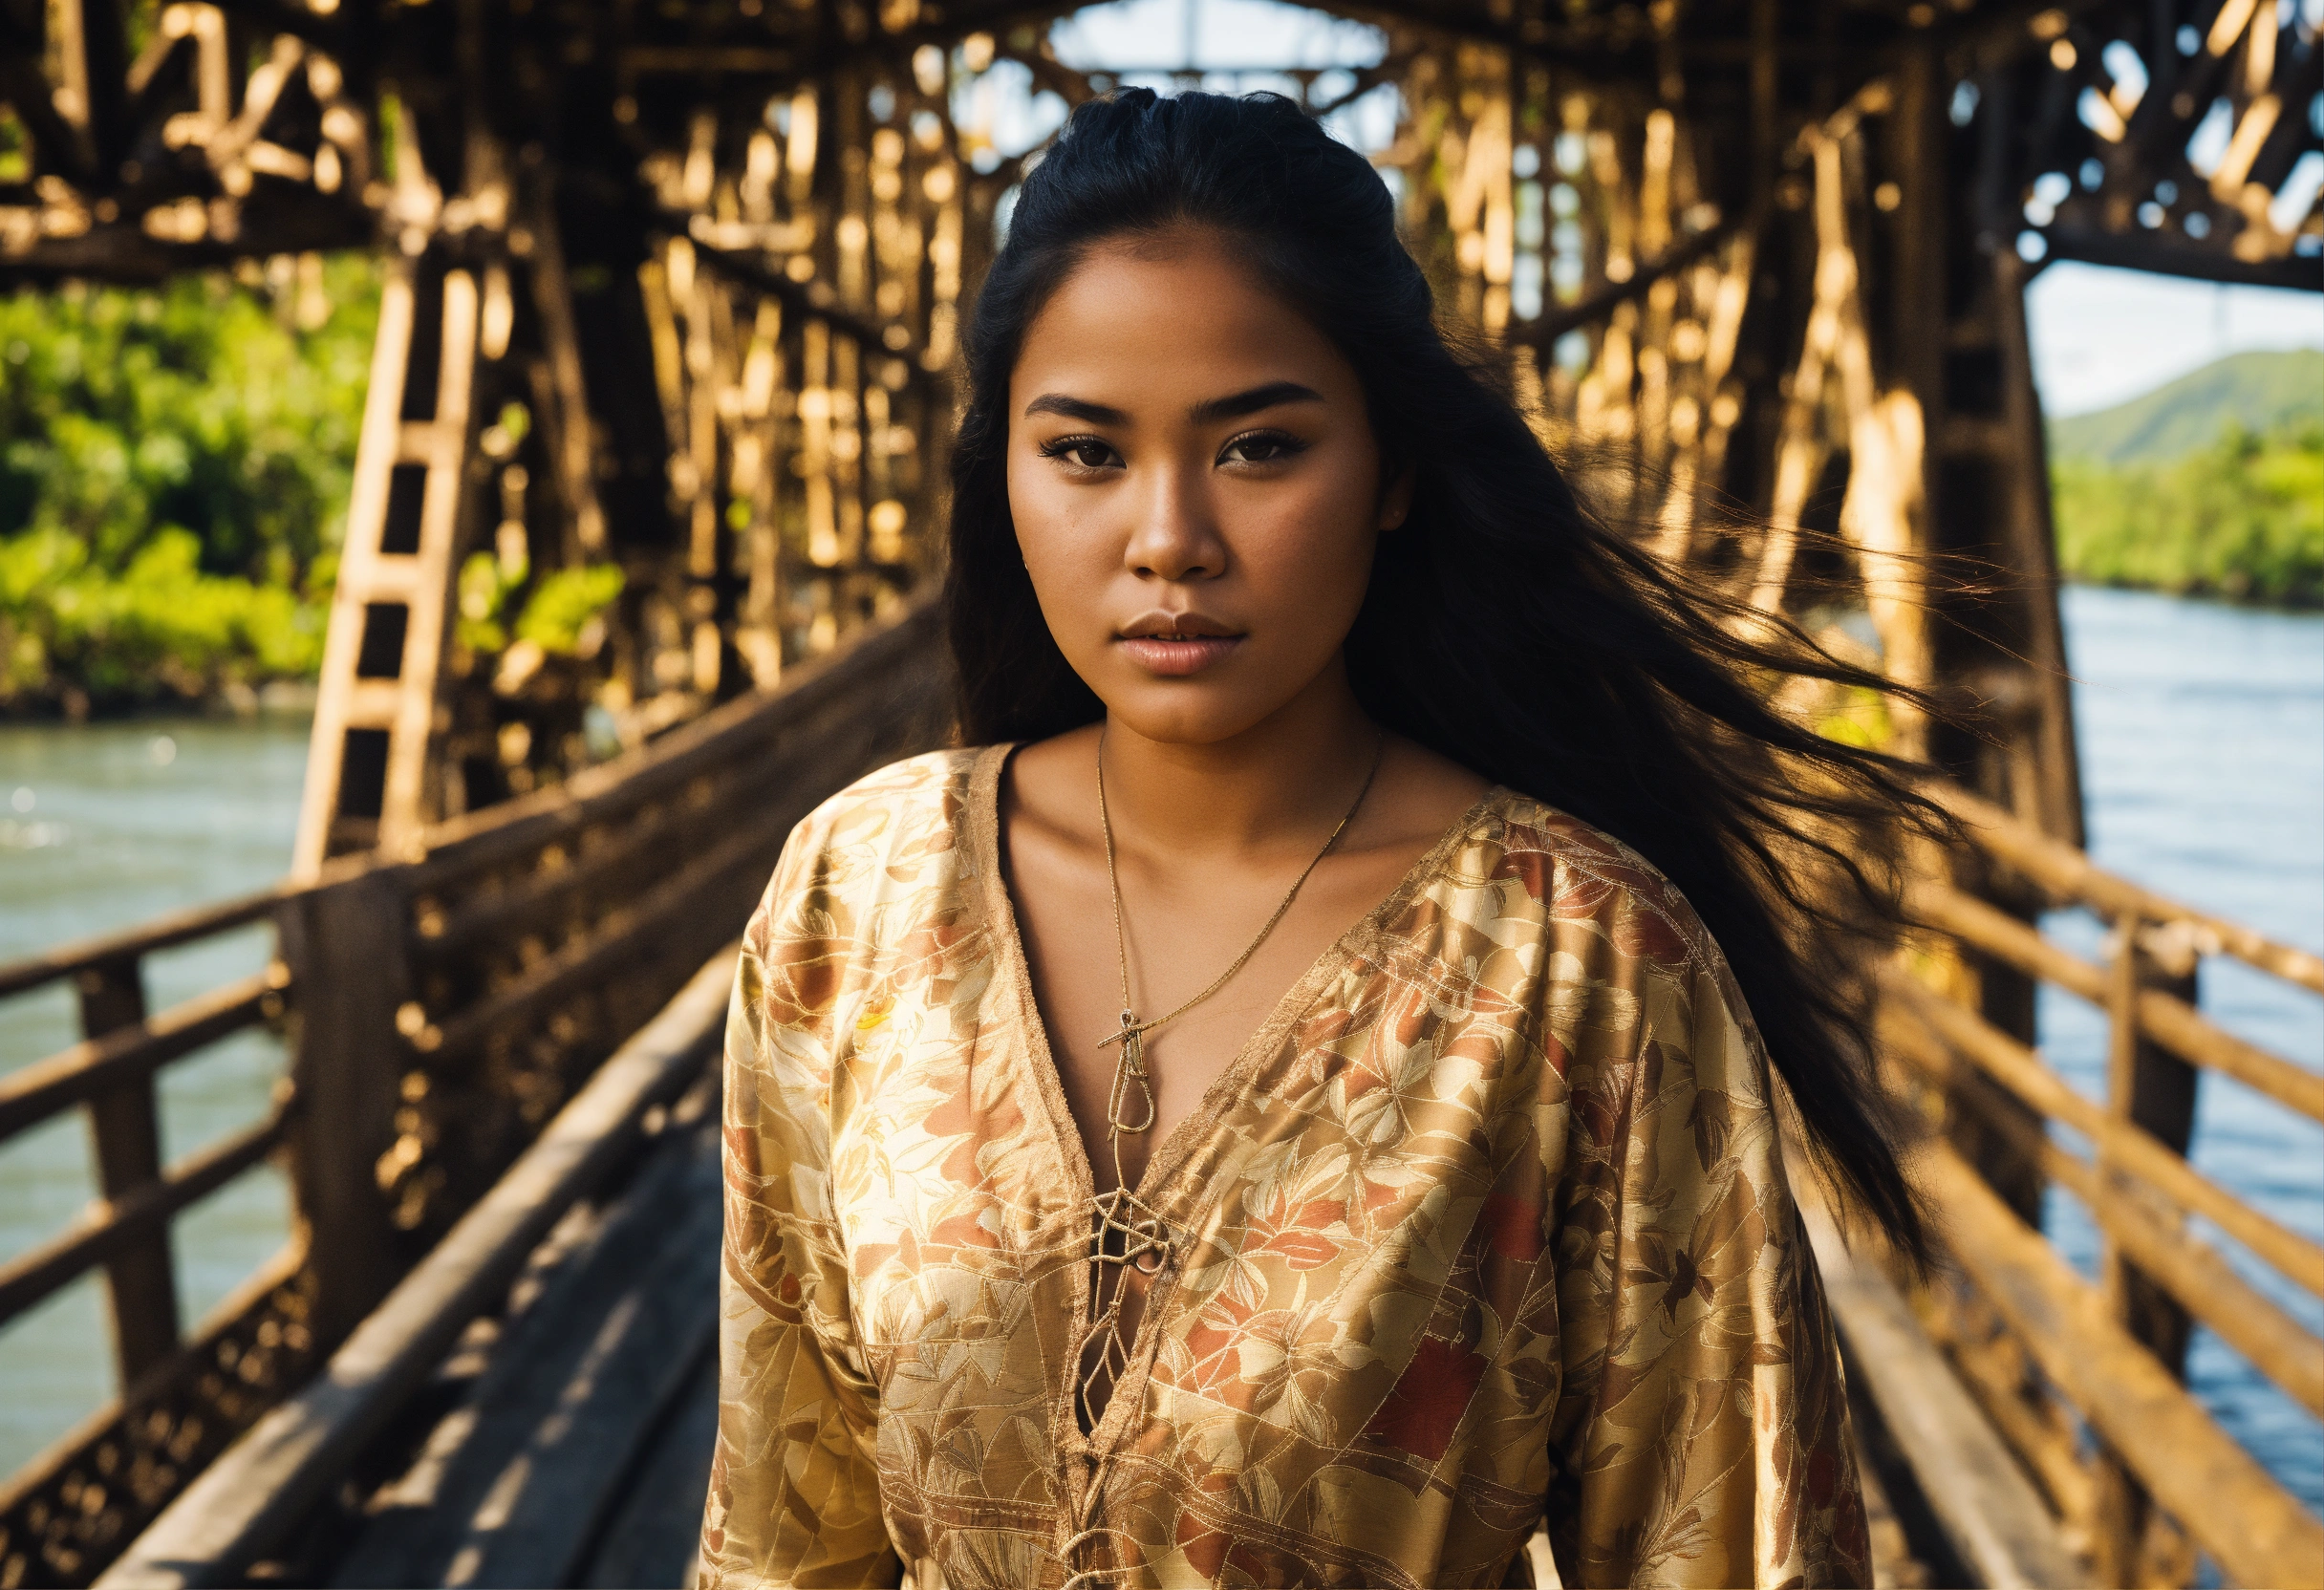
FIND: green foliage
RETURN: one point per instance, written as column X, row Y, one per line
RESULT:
column 2264, row 392
column 159, row 625
column 2244, row 519
column 174, row 469
column 484, row 589
column 563, row 604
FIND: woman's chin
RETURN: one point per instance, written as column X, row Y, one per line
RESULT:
column 1185, row 712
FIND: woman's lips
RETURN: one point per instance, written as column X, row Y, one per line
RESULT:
column 1175, row 657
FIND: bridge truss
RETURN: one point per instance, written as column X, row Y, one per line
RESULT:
column 668, row 345
column 674, row 295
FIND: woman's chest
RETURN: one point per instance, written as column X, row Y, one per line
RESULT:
column 1375, row 1182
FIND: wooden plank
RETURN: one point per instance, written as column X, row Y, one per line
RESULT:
column 655, row 1537
column 1990, row 1514
column 551, row 1436
column 2237, row 1512
column 2171, row 1022
column 245, row 1503
column 47, row 1086
column 359, row 561
column 2021, row 1072
column 162, row 933
column 121, row 1225
column 2069, row 874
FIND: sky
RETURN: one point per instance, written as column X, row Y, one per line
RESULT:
column 2101, row 336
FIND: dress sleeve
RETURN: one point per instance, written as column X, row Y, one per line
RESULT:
column 1702, row 1435
column 794, row 1486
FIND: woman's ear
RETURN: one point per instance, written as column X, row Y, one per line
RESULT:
column 1396, row 501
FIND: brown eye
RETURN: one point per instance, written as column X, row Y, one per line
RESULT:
column 1261, row 447
column 1083, row 452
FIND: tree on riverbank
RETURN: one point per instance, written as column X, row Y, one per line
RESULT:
column 174, row 467
column 2243, row 519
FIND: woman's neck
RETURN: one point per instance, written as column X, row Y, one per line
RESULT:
column 1275, row 786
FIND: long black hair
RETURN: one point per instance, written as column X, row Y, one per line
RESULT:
column 1506, row 626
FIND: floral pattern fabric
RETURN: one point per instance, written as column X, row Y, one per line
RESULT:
column 1489, row 1221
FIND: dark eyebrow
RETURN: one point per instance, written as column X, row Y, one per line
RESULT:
column 1075, row 408
column 1231, row 407
column 1252, row 401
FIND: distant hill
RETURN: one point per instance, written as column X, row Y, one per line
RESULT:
column 2260, row 390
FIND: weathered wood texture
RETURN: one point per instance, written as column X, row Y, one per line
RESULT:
column 554, row 1442
column 417, row 1074
column 675, row 306
column 1996, row 1523
column 180, row 1399
column 250, row 1501
column 2042, row 1350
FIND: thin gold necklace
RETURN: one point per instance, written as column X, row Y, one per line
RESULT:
column 1130, row 1065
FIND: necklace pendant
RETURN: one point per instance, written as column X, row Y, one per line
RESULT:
column 1129, row 1074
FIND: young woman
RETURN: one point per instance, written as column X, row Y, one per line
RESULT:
column 1290, row 1102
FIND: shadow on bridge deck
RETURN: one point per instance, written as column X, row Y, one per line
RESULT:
column 568, row 1440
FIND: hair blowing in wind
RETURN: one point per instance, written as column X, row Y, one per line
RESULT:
column 1505, row 626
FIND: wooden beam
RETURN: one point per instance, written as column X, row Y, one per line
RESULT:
column 125, row 1130
column 2070, row 875
column 2190, row 1270
column 501, row 833
column 2240, row 1513
column 252, row 1498
column 1599, row 304
column 745, row 272
column 591, row 959
column 2170, row 257
column 162, row 933
column 41, row 1089
column 2172, row 1021
column 2021, row 1072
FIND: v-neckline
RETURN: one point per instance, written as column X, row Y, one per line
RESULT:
column 1227, row 1088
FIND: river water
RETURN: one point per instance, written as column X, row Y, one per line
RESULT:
column 2203, row 744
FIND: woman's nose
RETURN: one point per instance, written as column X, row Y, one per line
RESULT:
column 1176, row 536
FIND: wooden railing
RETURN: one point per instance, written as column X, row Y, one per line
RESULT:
column 439, row 1010
column 65, row 1513
column 2085, row 1381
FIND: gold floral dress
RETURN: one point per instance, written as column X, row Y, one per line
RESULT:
column 1488, row 1220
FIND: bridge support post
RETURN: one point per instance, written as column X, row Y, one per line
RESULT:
column 2153, row 1089
column 345, row 946
column 127, row 1132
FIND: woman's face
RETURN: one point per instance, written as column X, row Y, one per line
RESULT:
column 1196, row 487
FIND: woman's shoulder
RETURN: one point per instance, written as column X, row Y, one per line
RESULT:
column 915, row 807
column 1575, row 874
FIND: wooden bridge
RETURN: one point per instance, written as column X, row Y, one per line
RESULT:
column 654, row 456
